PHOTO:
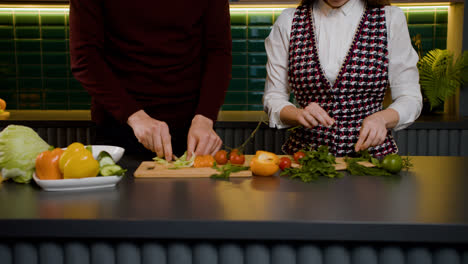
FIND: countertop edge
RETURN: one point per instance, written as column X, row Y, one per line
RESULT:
column 235, row 230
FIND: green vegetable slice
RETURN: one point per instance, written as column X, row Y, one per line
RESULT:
column 181, row 162
column 112, row 170
column 104, row 158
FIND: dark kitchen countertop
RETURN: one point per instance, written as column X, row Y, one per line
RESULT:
column 428, row 204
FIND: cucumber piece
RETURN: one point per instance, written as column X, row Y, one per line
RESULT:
column 104, row 158
column 89, row 148
column 111, row 170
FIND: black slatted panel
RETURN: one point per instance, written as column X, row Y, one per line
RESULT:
column 123, row 252
column 443, row 143
column 417, row 142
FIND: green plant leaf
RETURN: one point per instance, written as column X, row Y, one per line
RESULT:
column 439, row 77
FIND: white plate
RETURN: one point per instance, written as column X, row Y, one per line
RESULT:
column 115, row 152
column 85, row 183
column 78, row 184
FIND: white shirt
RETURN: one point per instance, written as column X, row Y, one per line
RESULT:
column 335, row 29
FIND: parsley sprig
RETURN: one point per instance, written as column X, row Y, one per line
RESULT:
column 354, row 168
column 315, row 164
column 226, row 170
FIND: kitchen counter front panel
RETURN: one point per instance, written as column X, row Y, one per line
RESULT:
column 428, row 203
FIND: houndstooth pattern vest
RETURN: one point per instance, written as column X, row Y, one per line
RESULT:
column 358, row 90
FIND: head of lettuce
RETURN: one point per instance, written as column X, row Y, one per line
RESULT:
column 19, row 147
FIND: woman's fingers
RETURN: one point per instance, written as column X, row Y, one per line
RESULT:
column 310, row 119
column 362, row 137
column 370, row 138
column 319, row 114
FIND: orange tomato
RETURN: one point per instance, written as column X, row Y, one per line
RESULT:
column 2, row 104
column 264, row 163
column 203, row 161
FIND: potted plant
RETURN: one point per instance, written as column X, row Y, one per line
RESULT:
column 440, row 77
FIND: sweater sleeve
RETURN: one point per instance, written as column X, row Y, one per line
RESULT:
column 217, row 68
column 88, row 61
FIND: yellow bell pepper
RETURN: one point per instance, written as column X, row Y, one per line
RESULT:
column 71, row 149
column 80, row 164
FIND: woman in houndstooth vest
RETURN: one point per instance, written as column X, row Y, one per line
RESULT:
column 338, row 57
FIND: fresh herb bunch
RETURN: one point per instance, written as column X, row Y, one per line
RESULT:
column 226, row 170
column 316, row 163
column 354, row 168
column 407, row 163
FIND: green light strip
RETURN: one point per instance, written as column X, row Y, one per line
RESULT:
column 256, row 9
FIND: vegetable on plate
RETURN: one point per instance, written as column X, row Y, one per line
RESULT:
column 107, row 166
column 19, row 147
column 47, row 165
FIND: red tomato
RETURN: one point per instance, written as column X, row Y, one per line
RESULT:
column 284, row 163
column 237, row 159
column 299, row 155
column 233, row 151
column 221, row 157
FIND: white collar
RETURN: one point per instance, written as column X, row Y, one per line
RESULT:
column 346, row 9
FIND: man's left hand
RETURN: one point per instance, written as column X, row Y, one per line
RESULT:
column 202, row 139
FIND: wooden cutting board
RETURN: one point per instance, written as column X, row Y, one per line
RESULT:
column 150, row 169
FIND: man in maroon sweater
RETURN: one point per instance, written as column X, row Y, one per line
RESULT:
column 156, row 70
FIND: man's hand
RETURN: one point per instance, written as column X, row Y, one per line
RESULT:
column 202, row 139
column 152, row 133
column 313, row 115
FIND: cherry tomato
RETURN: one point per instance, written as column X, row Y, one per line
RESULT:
column 392, row 163
column 299, row 155
column 284, row 163
column 221, row 157
column 233, row 152
column 235, row 158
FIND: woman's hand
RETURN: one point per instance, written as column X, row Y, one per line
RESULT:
column 152, row 133
column 374, row 128
column 202, row 139
column 309, row 117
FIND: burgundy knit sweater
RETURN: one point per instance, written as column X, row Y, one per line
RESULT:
column 170, row 58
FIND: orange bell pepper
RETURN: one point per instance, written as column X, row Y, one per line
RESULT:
column 47, row 165
column 203, row 161
column 264, row 163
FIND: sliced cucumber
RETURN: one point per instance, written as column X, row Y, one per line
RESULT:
column 89, row 148
column 104, row 159
column 112, row 170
